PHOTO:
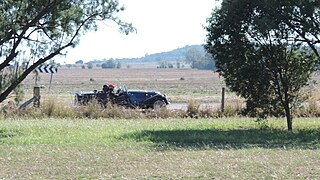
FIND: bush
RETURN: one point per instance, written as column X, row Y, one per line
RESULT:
column 90, row 65
column 108, row 64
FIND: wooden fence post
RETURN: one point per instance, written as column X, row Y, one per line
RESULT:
column 36, row 95
column 222, row 99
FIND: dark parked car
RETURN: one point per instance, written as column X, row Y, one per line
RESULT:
column 129, row 98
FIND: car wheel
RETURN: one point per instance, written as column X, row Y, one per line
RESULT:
column 159, row 104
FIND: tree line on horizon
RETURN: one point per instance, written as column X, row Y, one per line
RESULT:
column 194, row 55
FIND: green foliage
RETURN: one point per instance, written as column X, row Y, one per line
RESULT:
column 178, row 65
column 79, row 62
column 199, row 60
column 19, row 93
column 165, row 64
column 89, row 65
column 8, row 76
column 259, row 50
column 33, row 32
column 118, row 66
column 108, row 64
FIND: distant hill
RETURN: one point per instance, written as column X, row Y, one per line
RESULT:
column 174, row 55
column 170, row 56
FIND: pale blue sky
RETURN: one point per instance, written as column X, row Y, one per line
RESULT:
column 162, row 25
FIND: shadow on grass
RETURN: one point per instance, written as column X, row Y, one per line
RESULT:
column 5, row 134
column 229, row 139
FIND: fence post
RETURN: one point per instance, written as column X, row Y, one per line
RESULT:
column 222, row 99
column 36, row 95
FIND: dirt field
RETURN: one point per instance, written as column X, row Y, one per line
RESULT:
column 181, row 85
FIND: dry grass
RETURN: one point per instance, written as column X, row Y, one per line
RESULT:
column 53, row 108
column 69, row 162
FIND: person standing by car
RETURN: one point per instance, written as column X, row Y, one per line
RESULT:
column 105, row 88
column 112, row 88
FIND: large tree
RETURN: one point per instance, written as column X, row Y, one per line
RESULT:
column 199, row 60
column 266, row 50
column 34, row 31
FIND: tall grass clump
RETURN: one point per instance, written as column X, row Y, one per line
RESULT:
column 193, row 109
column 164, row 113
column 313, row 108
column 115, row 111
column 49, row 108
column 92, row 110
column 309, row 109
column 230, row 111
column 9, row 110
column 310, row 106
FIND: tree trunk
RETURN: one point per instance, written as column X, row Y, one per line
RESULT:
column 286, row 101
column 289, row 117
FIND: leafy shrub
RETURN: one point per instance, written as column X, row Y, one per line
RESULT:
column 108, row 64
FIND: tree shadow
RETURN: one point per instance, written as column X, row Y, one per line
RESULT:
column 229, row 139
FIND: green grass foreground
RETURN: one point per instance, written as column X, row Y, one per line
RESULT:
column 158, row 148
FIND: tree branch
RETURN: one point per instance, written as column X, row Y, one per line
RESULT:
column 4, row 95
column 13, row 52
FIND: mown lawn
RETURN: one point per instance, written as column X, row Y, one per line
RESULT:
column 158, row 148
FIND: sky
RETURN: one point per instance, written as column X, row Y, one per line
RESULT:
column 162, row 25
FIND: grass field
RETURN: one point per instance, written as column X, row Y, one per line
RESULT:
column 142, row 148
column 158, row 148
